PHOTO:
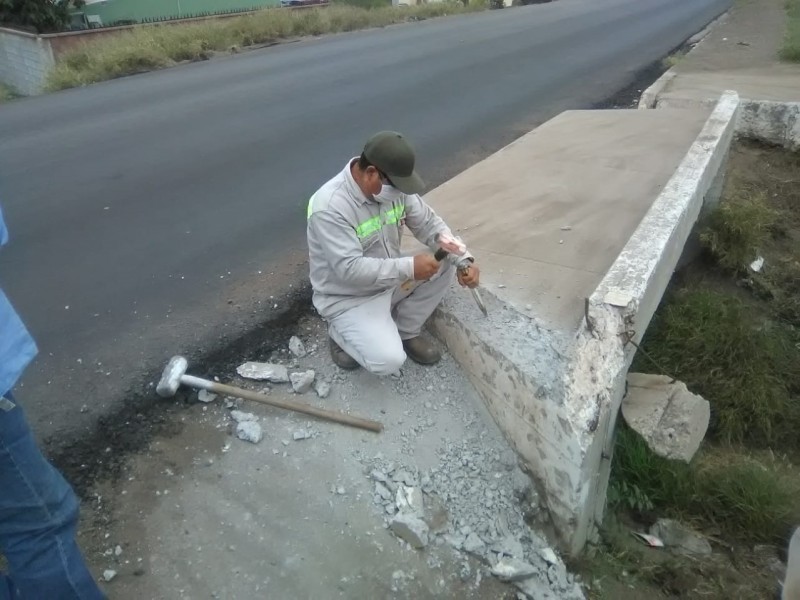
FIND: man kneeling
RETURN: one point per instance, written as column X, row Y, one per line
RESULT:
column 375, row 300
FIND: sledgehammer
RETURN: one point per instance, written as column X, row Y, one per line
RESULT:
column 174, row 376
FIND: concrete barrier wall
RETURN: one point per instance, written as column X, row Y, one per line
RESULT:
column 627, row 297
column 25, row 60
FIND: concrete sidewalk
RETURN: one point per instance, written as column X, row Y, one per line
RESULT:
column 547, row 215
column 740, row 52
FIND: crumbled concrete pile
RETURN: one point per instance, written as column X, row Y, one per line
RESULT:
column 274, row 372
column 671, row 419
column 475, row 500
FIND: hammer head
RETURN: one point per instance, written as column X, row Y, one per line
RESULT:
column 171, row 377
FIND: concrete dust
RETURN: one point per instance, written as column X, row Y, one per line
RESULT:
column 305, row 512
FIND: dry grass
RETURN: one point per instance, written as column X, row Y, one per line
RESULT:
column 6, row 93
column 157, row 47
column 791, row 41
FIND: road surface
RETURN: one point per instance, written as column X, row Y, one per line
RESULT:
column 158, row 213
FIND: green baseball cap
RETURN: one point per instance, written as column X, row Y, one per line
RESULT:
column 393, row 156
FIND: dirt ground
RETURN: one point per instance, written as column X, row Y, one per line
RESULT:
column 622, row 567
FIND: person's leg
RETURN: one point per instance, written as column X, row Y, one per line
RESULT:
column 368, row 334
column 38, row 519
column 412, row 309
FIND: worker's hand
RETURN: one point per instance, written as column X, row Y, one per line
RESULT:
column 425, row 267
column 469, row 277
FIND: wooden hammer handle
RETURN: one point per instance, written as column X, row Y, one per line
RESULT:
column 329, row 415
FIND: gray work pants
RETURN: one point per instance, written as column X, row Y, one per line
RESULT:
column 373, row 332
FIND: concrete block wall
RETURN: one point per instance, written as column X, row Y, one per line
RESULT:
column 25, row 60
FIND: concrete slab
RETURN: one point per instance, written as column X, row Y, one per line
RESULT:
column 548, row 214
column 777, row 83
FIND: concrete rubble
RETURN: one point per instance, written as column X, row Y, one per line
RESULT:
column 680, row 539
column 453, row 513
column 264, row 372
column 206, row 396
column 671, row 419
column 296, row 347
column 302, row 382
column 249, row 431
column 482, row 494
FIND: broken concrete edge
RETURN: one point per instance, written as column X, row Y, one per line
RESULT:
column 767, row 121
column 649, row 97
column 624, row 303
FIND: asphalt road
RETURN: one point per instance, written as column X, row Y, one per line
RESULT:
column 158, row 213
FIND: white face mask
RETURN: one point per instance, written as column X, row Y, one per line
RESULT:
column 388, row 195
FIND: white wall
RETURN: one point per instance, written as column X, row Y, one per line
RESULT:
column 25, row 60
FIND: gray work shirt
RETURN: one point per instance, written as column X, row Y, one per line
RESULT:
column 354, row 242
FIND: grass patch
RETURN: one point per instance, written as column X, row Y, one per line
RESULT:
column 156, row 47
column 6, row 93
column 746, row 365
column 673, row 59
column 739, row 228
column 791, row 42
column 738, row 495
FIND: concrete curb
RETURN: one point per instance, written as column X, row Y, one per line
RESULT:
column 650, row 95
column 627, row 297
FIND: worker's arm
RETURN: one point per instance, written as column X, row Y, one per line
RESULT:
column 425, row 224
column 342, row 249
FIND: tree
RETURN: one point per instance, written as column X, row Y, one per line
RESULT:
column 43, row 16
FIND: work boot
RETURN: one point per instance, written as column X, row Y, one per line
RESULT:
column 422, row 350
column 341, row 358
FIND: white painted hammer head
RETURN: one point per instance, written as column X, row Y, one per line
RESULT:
column 171, row 377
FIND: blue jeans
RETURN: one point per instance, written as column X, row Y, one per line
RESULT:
column 38, row 520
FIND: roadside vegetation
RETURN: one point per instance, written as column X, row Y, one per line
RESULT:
column 157, row 47
column 728, row 327
column 6, row 93
column 791, row 43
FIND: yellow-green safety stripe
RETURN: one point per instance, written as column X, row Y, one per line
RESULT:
column 373, row 224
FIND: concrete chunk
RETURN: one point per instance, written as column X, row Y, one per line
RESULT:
column 263, row 372
column 240, row 416
column 296, row 347
column 301, row 382
column 411, row 529
column 249, row 431
column 474, row 544
column 513, row 569
column 323, row 388
column 206, row 396
column 671, row 419
column 409, row 499
column 680, row 538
